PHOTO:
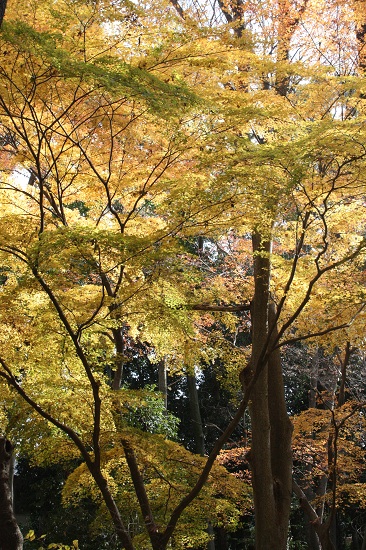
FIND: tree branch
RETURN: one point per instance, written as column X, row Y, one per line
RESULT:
column 178, row 8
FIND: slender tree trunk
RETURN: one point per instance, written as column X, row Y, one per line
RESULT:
column 10, row 536
column 211, row 544
column 322, row 529
column 360, row 17
column 196, row 418
column 119, row 344
column 199, row 440
column 281, row 437
column 311, row 535
column 162, row 381
column 344, row 365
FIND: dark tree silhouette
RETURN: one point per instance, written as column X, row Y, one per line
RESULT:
column 10, row 535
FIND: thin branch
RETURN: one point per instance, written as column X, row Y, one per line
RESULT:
column 12, row 381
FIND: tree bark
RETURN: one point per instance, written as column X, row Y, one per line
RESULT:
column 344, row 365
column 270, row 454
column 281, row 437
column 260, row 453
column 10, row 535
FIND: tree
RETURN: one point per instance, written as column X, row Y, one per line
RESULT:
column 271, row 463
column 123, row 164
column 80, row 126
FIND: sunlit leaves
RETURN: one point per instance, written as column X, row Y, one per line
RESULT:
column 168, row 471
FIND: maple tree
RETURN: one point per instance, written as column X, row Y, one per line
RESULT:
column 127, row 132
column 302, row 173
column 88, row 239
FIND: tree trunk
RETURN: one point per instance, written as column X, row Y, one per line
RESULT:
column 281, row 437
column 199, row 439
column 344, row 365
column 260, row 453
column 211, row 543
column 10, row 536
column 119, row 344
column 312, row 538
column 270, row 454
column 162, row 381
column 196, row 419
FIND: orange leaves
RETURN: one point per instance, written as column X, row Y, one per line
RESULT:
column 316, row 431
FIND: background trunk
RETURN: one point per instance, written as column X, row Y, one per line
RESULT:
column 194, row 407
column 10, row 536
column 162, row 381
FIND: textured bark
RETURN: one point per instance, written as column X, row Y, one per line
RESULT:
column 270, row 456
column 260, row 453
column 281, row 437
column 10, row 536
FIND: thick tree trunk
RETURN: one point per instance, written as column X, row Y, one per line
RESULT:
column 270, row 455
column 10, row 536
column 260, row 453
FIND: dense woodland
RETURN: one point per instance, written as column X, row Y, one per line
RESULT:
column 182, row 274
